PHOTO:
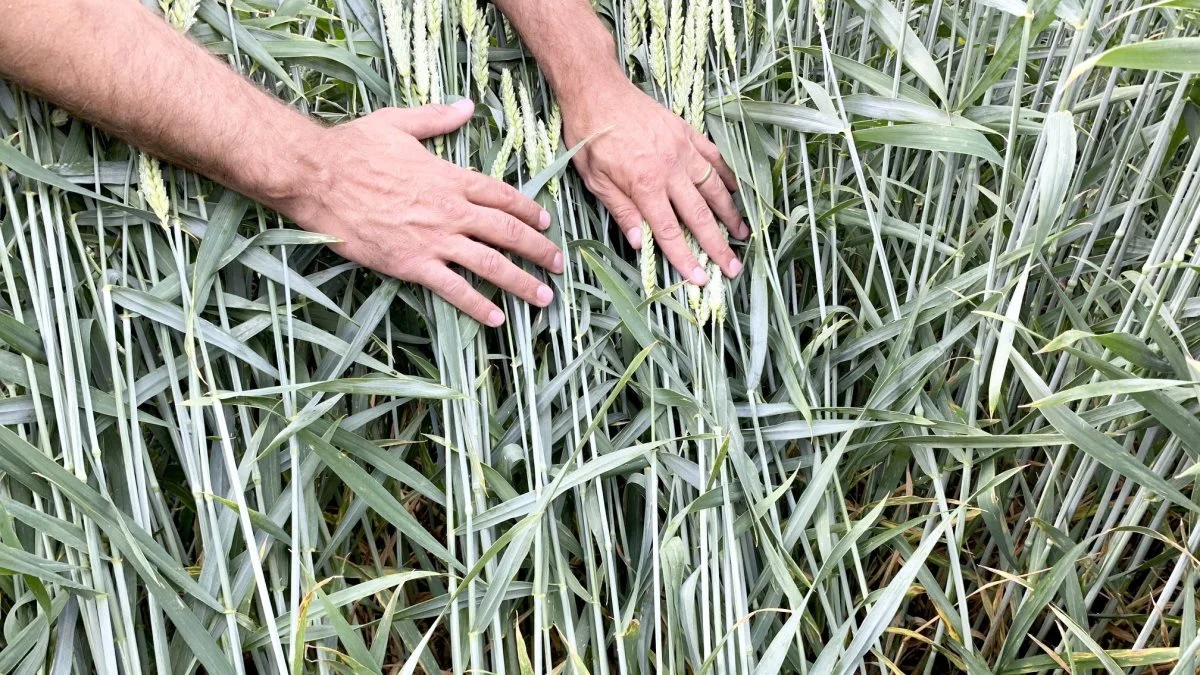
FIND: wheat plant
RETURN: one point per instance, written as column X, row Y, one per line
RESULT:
column 945, row 421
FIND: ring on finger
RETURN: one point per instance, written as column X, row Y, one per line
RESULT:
column 707, row 174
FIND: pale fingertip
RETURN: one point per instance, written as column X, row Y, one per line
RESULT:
column 464, row 105
column 544, row 219
column 544, row 295
column 634, row 235
column 495, row 318
column 735, row 268
column 557, row 265
column 699, row 277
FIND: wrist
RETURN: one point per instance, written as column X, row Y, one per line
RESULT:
column 594, row 96
column 592, row 70
column 294, row 176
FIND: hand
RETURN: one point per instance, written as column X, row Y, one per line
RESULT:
column 647, row 165
column 400, row 210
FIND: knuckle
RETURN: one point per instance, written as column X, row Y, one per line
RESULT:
column 511, row 200
column 647, row 178
column 529, row 285
column 511, row 230
column 455, row 286
column 725, row 201
column 425, row 275
column 456, row 211
column 669, row 233
column 730, row 215
column 529, row 212
column 624, row 214
column 387, row 257
column 491, row 263
column 405, row 272
column 478, row 304
column 449, row 206
column 703, row 215
column 446, row 247
column 500, row 193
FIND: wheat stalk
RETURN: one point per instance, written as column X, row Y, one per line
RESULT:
column 399, row 37
column 529, row 130
column 422, row 63
column 152, row 188
column 959, row 358
column 658, row 42
column 479, row 57
column 648, row 261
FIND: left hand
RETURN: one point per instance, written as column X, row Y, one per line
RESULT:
column 647, row 165
column 401, row 210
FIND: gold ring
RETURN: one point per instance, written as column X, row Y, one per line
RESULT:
column 703, row 178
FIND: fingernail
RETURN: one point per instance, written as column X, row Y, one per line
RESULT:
column 635, row 238
column 544, row 295
column 558, row 263
column 699, row 277
column 544, row 219
column 735, row 268
column 496, row 318
column 464, row 105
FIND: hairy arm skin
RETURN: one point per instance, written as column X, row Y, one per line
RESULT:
column 574, row 50
column 395, row 207
column 171, row 98
column 645, row 163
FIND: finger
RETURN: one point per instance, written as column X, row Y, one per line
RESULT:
column 456, row 290
column 502, row 230
column 709, row 151
column 490, row 264
column 658, row 212
column 626, row 213
column 721, row 202
column 495, row 194
column 703, row 226
column 431, row 120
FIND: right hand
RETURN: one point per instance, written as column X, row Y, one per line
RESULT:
column 648, row 166
column 402, row 211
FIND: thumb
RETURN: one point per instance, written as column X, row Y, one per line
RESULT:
column 432, row 120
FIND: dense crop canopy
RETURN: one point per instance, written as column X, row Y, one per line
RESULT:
column 945, row 420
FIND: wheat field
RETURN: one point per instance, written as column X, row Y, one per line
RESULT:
column 945, row 421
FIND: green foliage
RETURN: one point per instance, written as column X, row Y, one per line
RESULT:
column 946, row 420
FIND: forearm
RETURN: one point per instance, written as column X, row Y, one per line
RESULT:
column 116, row 64
column 572, row 45
column 646, row 164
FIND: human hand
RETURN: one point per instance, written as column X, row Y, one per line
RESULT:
column 400, row 210
column 646, row 164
